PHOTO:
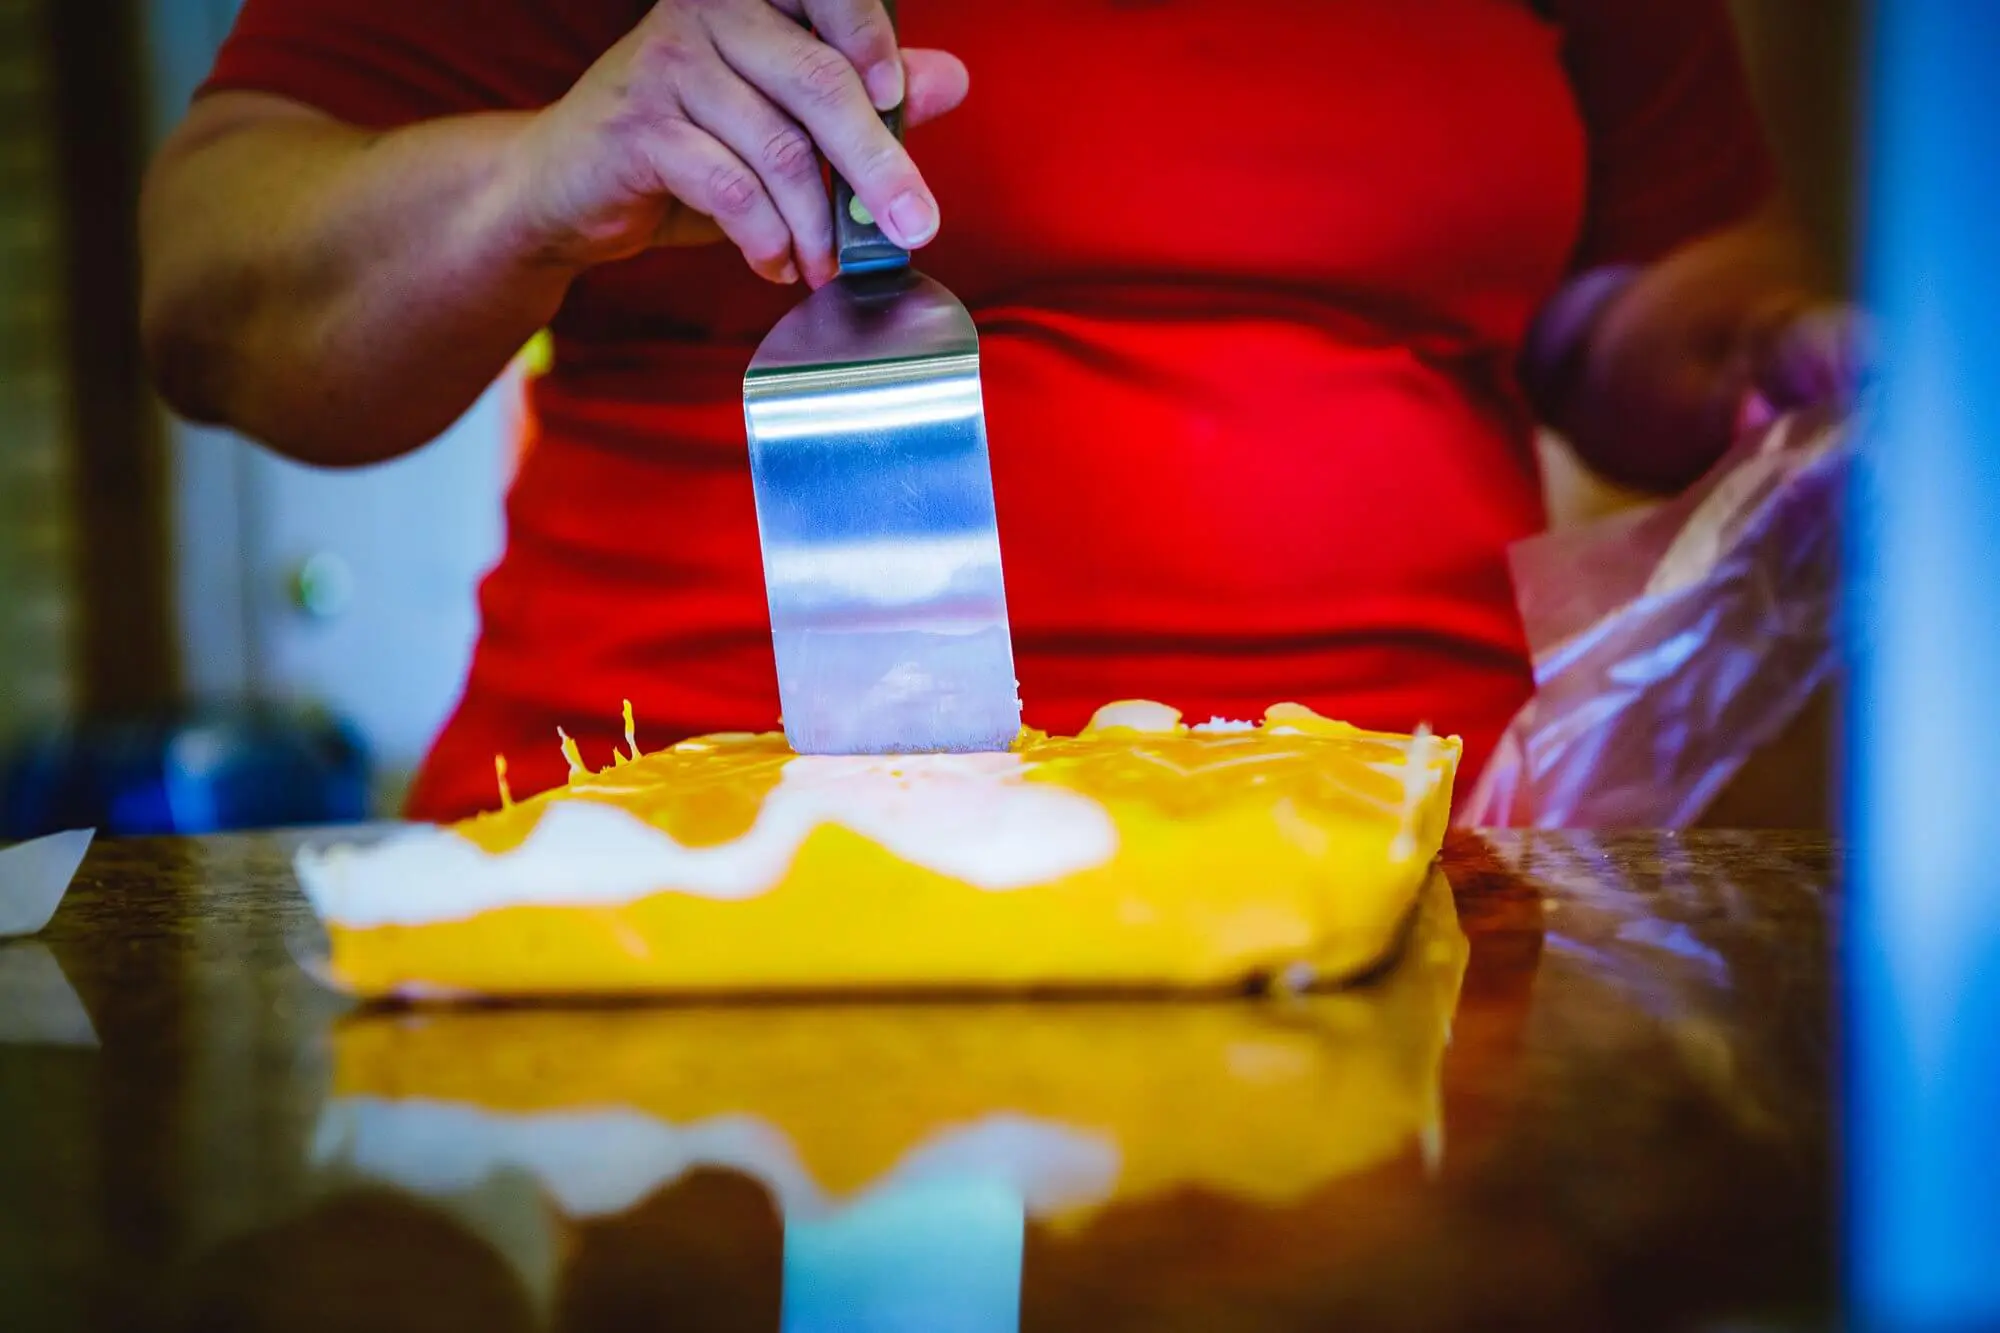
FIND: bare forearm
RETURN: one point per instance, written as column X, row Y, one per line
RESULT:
column 339, row 295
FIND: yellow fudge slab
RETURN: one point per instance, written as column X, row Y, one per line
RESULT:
column 1142, row 853
column 1071, row 1107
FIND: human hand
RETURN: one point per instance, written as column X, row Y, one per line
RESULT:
column 706, row 122
column 1652, row 371
column 1817, row 355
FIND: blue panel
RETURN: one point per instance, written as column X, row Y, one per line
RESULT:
column 1922, row 943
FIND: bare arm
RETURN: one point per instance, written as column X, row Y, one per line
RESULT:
column 343, row 296
column 340, row 295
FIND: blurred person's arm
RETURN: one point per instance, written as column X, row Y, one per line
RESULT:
column 1651, row 371
column 1692, row 303
column 343, row 295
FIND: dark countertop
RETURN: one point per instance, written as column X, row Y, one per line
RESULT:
column 1627, row 1129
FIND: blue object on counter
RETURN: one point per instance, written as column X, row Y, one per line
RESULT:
column 1921, row 920
column 207, row 773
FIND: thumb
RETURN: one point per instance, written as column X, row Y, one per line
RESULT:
column 1820, row 357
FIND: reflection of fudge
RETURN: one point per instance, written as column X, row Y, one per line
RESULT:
column 1143, row 853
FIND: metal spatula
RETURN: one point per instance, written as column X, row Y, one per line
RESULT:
column 875, row 511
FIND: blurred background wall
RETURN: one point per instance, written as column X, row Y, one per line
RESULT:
column 147, row 565
column 37, row 529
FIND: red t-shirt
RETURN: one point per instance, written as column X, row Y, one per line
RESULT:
column 1249, row 292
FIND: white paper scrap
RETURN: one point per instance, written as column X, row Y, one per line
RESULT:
column 34, row 876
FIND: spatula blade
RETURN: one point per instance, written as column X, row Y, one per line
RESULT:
column 880, row 537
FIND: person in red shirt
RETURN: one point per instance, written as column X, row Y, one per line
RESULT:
column 1272, row 299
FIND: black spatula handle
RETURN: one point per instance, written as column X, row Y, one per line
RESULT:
column 862, row 246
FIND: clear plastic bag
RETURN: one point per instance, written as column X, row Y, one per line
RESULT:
column 1672, row 642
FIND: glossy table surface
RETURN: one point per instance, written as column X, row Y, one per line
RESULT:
column 1593, row 1093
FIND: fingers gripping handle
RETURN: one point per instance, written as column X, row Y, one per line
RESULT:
column 860, row 245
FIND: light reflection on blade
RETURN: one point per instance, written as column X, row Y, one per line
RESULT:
column 836, row 410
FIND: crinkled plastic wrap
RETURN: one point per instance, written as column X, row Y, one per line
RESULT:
column 1672, row 642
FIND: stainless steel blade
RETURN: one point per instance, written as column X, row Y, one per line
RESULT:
column 875, row 508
